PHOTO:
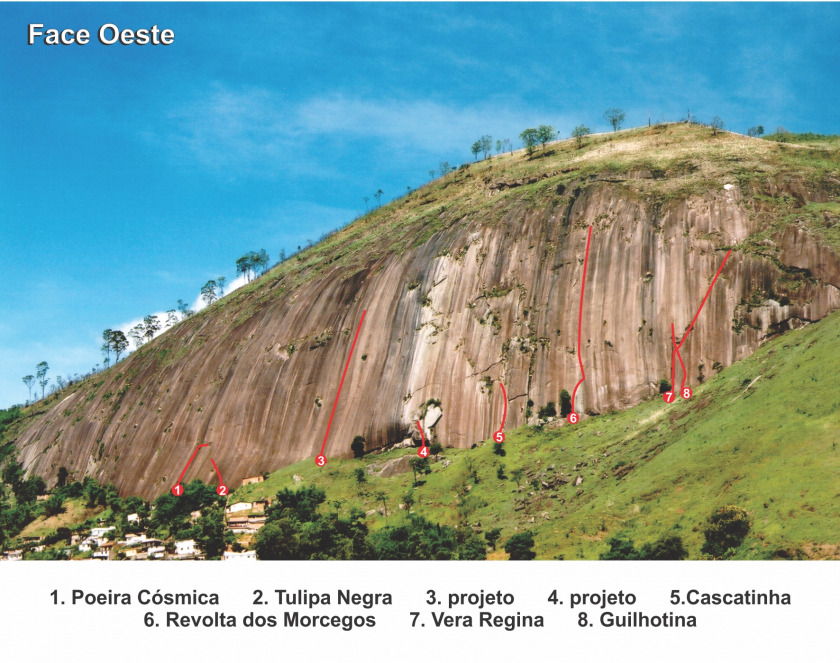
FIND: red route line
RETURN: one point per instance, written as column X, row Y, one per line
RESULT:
column 580, row 318
column 708, row 292
column 676, row 348
column 673, row 350
column 341, row 384
column 504, row 414
column 685, row 373
column 189, row 462
column 422, row 436
column 219, row 474
column 673, row 366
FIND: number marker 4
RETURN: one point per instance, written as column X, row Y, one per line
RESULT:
column 499, row 437
column 177, row 490
column 423, row 451
column 668, row 397
column 573, row 418
column 222, row 490
column 320, row 460
column 686, row 393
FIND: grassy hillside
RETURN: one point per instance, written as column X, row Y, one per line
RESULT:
column 761, row 434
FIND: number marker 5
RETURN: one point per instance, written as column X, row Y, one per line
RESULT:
column 499, row 437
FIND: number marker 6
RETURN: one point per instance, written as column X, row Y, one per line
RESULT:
column 686, row 393
column 499, row 437
column 573, row 418
column 320, row 460
column 423, row 451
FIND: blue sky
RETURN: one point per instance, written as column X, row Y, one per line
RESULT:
column 131, row 175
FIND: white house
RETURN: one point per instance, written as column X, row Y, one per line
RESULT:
column 185, row 548
column 245, row 556
column 239, row 506
column 131, row 539
column 133, row 518
column 15, row 556
column 156, row 552
column 99, row 535
column 103, row 552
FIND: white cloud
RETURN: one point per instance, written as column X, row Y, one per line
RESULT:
column 252, row 127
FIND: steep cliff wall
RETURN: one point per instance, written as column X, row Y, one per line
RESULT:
column 482, row 288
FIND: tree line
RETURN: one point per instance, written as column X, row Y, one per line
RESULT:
column 116, row 343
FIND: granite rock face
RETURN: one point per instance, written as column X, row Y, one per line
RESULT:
column 476, row 303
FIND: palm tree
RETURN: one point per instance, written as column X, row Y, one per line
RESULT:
column 380, row 496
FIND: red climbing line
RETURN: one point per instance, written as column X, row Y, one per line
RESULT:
column 673, row 350
column 580, row 318
column 341, row 384
column 219, row 474
column 186, row 467
column 422, row 436
column 679, row 356
column 708, row 292
column 504, row 414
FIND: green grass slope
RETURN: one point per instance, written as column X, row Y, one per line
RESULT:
column 762, row 435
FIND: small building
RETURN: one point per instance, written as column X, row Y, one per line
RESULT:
column 239, row 506
column 131, row 539
column 244, row 556
column 156, row 552
column 185, row 548
column 239, row 523
column 75, row 539
column 133, row 518
column 100, row 534
column 260, row 506
column 139, row 546
column 14, row 556
column 258, row 479
column 246, row 523
column 42, row 498
column 195, row 515
column 104, row 552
